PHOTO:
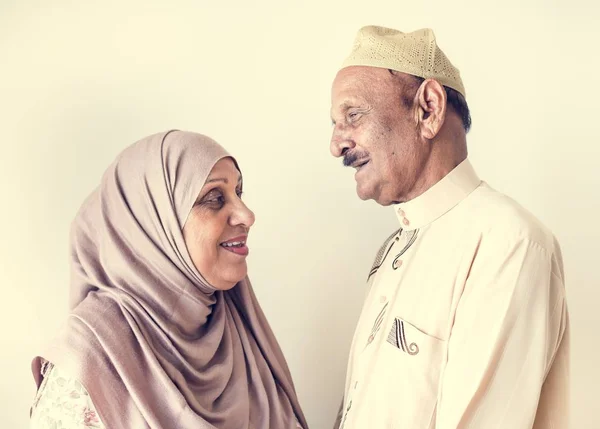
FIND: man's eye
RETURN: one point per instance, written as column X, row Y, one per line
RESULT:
column 239, row 193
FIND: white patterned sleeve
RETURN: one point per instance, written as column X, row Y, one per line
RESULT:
column 62, row 403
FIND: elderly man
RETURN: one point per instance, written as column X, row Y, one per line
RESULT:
column 465, row 322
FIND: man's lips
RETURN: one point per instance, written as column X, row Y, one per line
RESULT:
column 359, row 164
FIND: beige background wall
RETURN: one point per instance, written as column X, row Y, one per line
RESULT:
column 81, row 80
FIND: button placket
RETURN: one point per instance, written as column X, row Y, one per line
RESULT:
column 402, row 214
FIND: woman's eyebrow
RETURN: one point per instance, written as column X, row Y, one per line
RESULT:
column 218, row 179
column 224, row 180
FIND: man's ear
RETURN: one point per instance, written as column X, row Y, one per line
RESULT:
column 431, row 108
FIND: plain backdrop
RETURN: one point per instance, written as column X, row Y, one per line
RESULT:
column 80, row 80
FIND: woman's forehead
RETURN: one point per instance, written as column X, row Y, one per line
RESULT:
column 225, row 170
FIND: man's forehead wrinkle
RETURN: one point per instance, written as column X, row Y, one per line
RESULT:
column 363, row 82
column 359, row 87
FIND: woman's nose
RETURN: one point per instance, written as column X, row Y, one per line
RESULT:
column 242, row 215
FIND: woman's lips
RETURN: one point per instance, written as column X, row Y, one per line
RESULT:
column 236, row 245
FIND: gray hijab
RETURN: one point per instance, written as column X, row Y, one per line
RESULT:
column 151, row 341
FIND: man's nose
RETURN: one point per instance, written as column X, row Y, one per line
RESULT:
column 340, row 143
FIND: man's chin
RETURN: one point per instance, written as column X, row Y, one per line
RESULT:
column 364, row 194
column 367, row 193
column 370, row 194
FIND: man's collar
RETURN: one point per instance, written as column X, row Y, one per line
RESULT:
column 439, row 199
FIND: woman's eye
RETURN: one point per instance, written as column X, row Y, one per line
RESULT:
column 213, row 200
column 217, row 200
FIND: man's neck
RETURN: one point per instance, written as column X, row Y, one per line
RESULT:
column 445, row 157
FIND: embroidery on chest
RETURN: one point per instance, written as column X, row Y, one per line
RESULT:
column 397, row 338
column 383, row 252
column 377, row 324
column 411, row 237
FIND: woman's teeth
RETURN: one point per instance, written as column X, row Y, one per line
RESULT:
column 234, row 244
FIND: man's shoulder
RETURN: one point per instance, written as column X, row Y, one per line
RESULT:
column 500, row 215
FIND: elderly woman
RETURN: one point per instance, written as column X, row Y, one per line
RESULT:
column 164, row 329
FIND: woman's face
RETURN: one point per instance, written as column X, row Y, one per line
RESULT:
column 217, row 228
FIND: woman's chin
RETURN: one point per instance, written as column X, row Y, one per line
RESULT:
column 233, row 277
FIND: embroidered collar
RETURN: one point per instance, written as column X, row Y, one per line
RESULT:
column 439, row 199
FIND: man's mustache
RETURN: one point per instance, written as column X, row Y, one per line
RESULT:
column 351, row 157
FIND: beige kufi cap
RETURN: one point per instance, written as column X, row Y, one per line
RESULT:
column 415, row 53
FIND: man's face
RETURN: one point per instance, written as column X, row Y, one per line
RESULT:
column 375, row 130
